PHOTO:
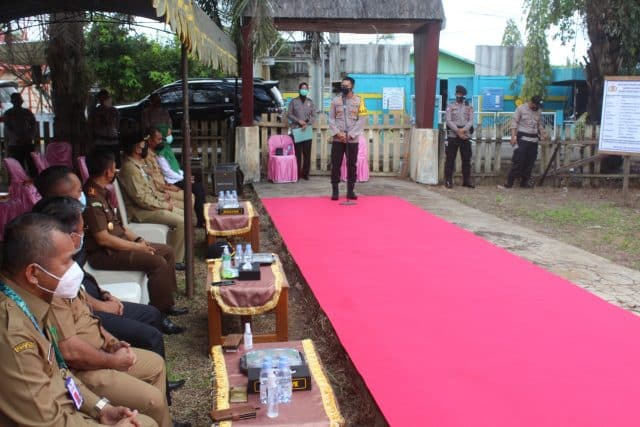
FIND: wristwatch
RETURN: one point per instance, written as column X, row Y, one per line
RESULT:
column 101, row 404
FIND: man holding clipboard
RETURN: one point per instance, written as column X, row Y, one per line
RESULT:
column 302, row 115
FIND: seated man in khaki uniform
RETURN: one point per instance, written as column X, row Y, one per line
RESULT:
column 144, row 202
column 110, row 246
column 35, row 253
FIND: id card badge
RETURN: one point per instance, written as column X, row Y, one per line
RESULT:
column 74, row 392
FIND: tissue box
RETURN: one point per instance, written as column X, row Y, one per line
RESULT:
column 253, row 274
column 300, row 378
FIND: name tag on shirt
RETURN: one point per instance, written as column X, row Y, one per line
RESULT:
column 74, row 392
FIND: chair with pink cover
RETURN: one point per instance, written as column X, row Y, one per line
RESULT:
column 362, row 162
column 59, row 153
column 40, row 161
column 9, row 209
column 282, row 168
column 21, row 188
column 82, row 167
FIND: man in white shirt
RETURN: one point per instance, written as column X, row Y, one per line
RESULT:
column 176, row 178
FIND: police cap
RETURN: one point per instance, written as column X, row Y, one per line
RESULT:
column 461, row 89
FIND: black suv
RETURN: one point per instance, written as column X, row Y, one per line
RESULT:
column 209, row 99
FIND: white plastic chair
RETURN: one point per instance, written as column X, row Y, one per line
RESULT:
column 126, row 285
column 155, row 233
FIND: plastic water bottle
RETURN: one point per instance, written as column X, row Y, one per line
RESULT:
column 221, row 200
column 283, row 375
column 226, row 263
column 264, row 376
column 272, row 395
column 248, row 337
column 236, row 203
column 228, row 198
column 248, row 254
column 239, row 257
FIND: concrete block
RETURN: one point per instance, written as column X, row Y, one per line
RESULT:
column 248, row 152
column 423, row 155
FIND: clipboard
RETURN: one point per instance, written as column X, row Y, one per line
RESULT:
column 300, row 134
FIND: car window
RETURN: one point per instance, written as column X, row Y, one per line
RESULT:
column 208, row 96
column 171, row 96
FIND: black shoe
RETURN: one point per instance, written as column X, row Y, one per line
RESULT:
column 178, row 424
column 526, row 185
column 352, row 196
column 468, row 185
column 170, row 328
column 180, row 266
column 508, row 184
column 448, row 184
column 177, row 311
column 200, row 225
column 174, row 385
column 306, row 178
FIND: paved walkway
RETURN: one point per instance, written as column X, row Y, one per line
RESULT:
column 612, row 282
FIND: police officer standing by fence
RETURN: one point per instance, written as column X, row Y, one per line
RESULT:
column 526, row 131
column 459, row 128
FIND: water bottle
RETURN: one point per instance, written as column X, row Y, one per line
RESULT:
column 221, row 200
column 272, row 395
column 264, row 376
column 283, row 375
column 248, row 337
column 236, row 203
column 228, row 198
column 248, row 254
column 226, row 263
column 238, row 258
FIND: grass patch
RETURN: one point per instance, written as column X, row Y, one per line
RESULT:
column 611, row 224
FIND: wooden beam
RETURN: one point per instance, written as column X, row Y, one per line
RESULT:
column 426, row 44
column 246, row 118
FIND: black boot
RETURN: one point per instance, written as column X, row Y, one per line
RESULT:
column 334, row 191
column 351, row 195
column 509, row 182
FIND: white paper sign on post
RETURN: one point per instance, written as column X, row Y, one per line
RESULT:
column 620, row 122
column 393, row 98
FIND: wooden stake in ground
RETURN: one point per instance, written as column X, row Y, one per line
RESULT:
column 404, row 172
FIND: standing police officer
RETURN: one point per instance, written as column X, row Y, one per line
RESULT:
column 346, row 126
column 459, row 123
column 526, row 131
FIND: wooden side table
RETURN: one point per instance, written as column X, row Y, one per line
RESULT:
column 247, row 291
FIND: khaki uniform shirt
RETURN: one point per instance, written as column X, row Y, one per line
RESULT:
column 72, row 317
column 298, row 110
column 33, row 392
column 528, row 121
column 100, row 215
column 458, row 116
column 138, row 188
column 347, row 119
column 152, row 168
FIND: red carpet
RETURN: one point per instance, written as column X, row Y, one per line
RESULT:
column 448, row 330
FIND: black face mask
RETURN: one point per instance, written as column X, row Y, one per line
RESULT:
column 159, row 147
column 534, row 108
column 345, row 90
column 145, row 151
column 460, row 99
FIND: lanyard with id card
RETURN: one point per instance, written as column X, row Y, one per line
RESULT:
column 69, row 383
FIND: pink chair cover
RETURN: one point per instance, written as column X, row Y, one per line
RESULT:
column 362, row 163
column 23, row 194
column 59, row 153
column 282, row 168
column 39, row 160
column 82, row 167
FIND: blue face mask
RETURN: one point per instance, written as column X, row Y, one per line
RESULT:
column 169, row 139
column 83, row 200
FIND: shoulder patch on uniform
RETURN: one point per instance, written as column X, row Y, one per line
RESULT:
column 27, row 345
column 96, row 204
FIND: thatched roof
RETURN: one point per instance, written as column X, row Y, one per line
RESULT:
column 204, row 38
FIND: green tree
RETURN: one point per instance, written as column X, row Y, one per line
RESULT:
column 537, row 70
column 130, row 65
column 614, row 35
column 511, row 36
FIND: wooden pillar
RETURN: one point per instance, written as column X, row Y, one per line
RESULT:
column 186, row 165
column 426, row 43
column 246, row 118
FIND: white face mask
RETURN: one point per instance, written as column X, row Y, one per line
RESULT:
column 81, row 242
column 169, row 139
column 68, row 284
